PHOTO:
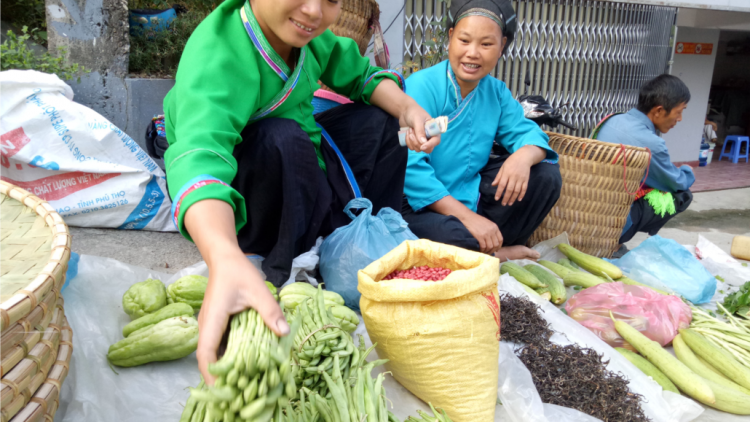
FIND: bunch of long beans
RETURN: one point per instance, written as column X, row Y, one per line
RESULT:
column 357, row 398
column 439, row 416
column 320, row 339
column 732, row 336
column 259, row 374
column 254, row 377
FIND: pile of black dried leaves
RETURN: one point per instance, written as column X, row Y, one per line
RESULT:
column 569, row 376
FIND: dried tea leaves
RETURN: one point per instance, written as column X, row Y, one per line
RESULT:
column 568, row 376
column 575, row 377
column 520, row 321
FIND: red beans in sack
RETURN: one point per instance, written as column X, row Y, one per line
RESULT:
column 424, row 273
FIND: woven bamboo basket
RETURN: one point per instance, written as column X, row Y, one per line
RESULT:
column 35, row 339
column 355, row 22
column 599, row 183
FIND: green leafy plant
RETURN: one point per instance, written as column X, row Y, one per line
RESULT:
column 29, row 13
column 157, row 53
column 15, row 54
column 739, row 301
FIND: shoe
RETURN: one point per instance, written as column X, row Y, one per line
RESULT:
column 620, row 252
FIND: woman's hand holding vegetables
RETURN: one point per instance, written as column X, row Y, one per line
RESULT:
column 234, row 283
column 513, row 177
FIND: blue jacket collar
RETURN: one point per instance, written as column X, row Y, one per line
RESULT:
column 642, row 118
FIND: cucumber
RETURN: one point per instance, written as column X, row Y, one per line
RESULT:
column 521, row 275
column 708, row 365
column 686, row 356
column 555, row 286
column 529, row 290
column 729, row 400
column 718, row 358
column 682, row 376
column 544, row 293
column 555, row 268
column 570, row 265
column 649, row 369
column 592, row 264
column 579, row 278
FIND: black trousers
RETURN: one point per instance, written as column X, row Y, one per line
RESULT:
column 291, row 202
column 516, row 222
column 646, row 220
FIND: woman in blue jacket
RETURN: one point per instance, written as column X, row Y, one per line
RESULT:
column 459, row 194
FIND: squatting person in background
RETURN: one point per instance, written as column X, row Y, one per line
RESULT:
column 666, row 191
column 458, row 194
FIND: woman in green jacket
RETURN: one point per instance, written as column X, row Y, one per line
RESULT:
column 252, row 171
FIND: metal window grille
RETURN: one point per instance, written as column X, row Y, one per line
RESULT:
column 587, row 57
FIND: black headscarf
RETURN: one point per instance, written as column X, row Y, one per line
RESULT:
column 500, row 11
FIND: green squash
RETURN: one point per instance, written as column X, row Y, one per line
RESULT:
column 144, row 298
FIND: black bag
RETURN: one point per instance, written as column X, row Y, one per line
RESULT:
column 156, row 138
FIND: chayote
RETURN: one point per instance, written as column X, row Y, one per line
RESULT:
column 144, row 297
column 169, row 311
column 170, row 339
column 272, row 289
column 189, row 289
column 345, row 316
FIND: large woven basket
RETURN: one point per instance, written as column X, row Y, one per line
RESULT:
column 36, row 341
column 599, row 182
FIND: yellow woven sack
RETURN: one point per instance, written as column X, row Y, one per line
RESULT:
column 442, row 338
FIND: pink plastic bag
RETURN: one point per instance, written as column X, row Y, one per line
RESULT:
column 657, row 316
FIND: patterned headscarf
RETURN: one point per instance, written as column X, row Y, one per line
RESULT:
column 500, row 11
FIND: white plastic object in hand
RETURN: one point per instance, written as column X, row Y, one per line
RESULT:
column 432, row 127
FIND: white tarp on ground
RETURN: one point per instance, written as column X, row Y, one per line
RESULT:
column 157, row 391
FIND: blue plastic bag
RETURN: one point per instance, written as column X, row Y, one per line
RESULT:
column 671, row 264
column 353, row 247
column 72, row 269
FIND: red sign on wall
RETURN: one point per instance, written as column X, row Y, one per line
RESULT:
column 693, row 48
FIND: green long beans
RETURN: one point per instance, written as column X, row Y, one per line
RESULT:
column 320, row 339
column 732, row 336
column 315, row 374
column 254, row 377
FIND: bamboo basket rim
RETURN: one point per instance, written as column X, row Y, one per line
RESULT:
column 27, row 299
column 598, row 144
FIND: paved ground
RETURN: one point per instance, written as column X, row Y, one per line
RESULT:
column 721, row 175
column 717, row 215
column 166, row 252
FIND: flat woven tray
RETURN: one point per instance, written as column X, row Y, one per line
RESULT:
column 34, row 252
column 35, row 340
column 599, row 183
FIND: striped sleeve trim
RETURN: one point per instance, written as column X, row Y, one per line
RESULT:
column 392, row 72
column 189, row 187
